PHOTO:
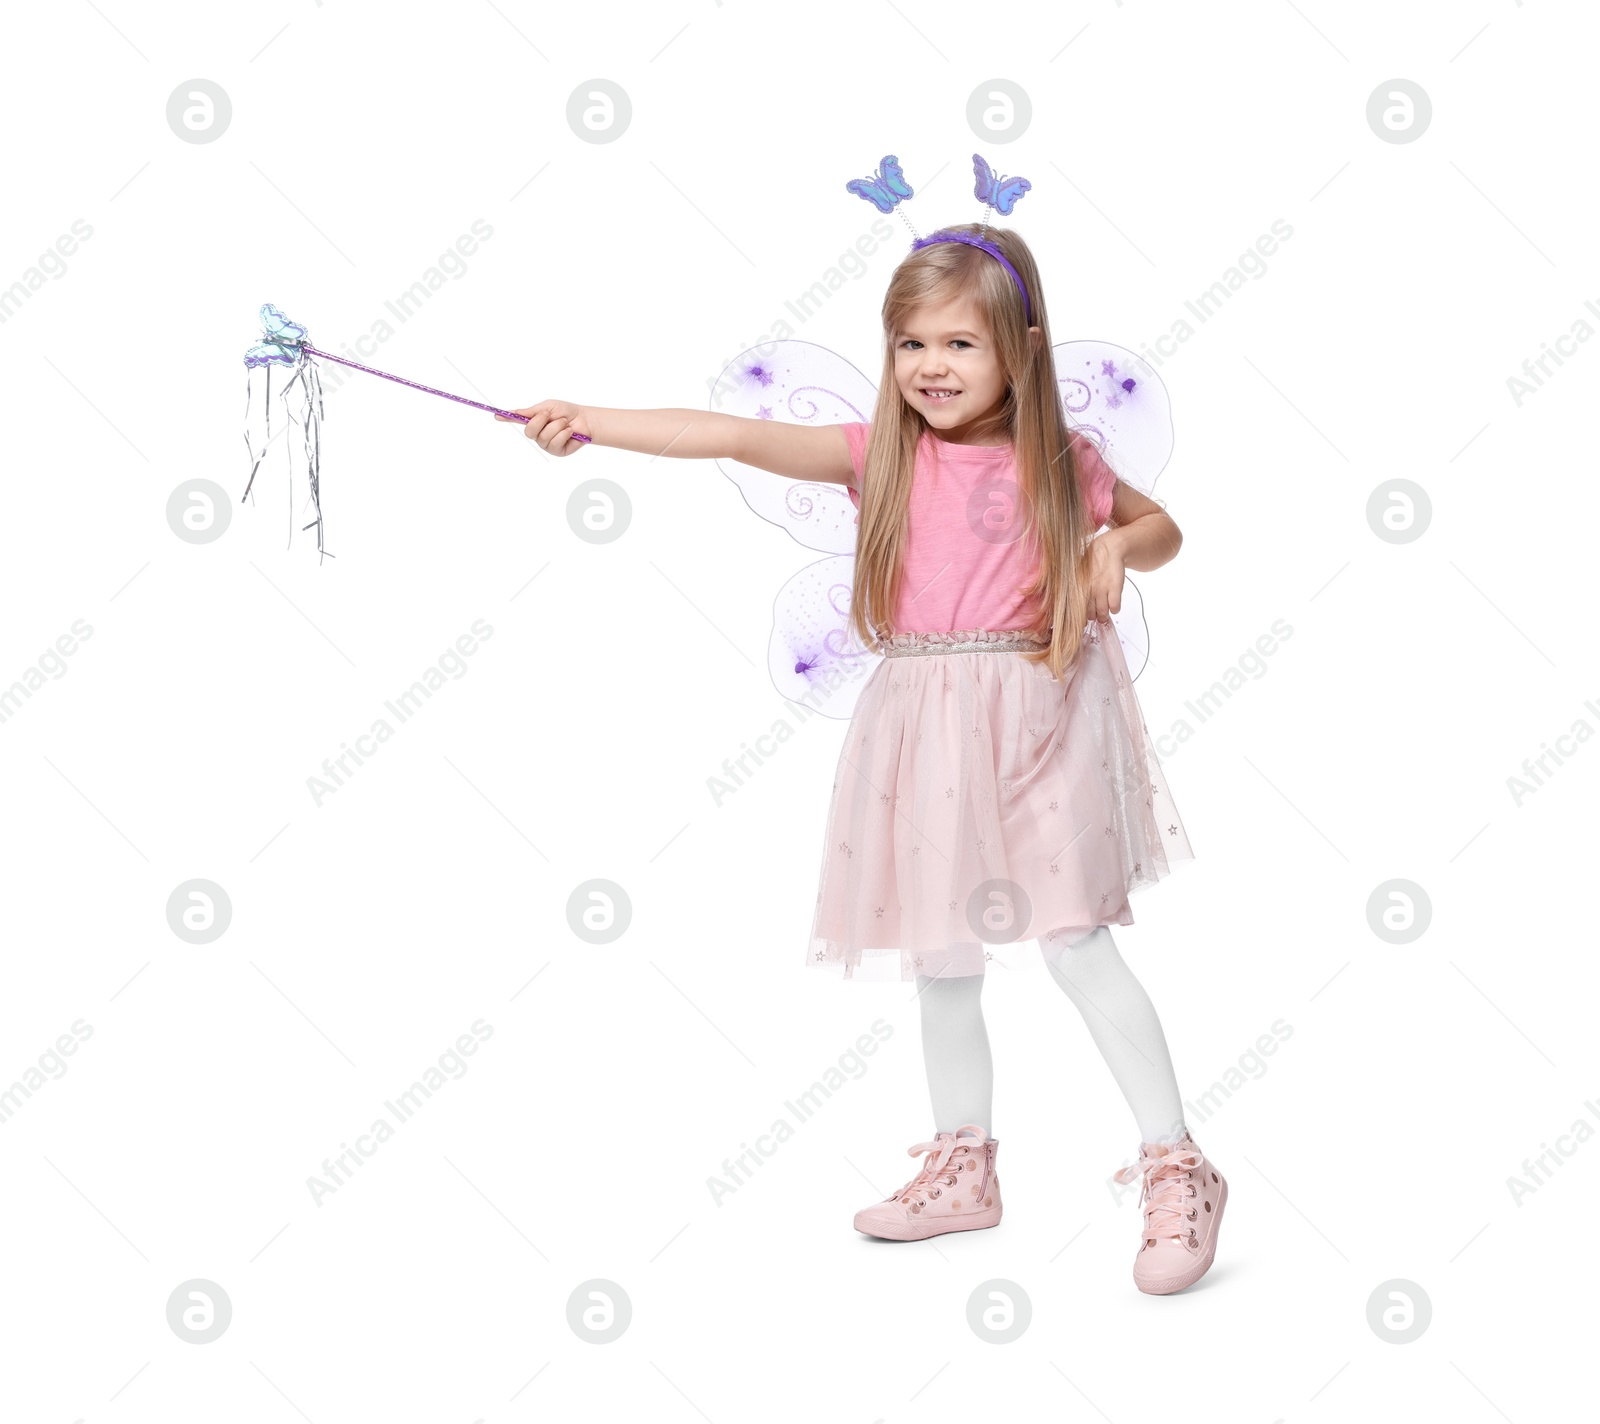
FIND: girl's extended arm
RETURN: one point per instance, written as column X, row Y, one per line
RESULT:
column 801, row 452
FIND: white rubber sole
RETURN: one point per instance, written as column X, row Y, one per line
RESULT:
column 933, row 1226
column 1173, row 1284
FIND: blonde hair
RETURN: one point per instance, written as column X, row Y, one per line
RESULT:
column 1054, row 511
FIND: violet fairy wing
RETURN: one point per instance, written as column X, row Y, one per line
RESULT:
column 814, row 657
column 800, row 383
column 1118, row 401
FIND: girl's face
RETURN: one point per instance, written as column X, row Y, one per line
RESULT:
column 947, row 368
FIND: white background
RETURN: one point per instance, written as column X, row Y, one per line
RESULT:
column 432, row 889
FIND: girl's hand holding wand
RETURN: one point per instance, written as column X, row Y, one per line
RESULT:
column 552, row 423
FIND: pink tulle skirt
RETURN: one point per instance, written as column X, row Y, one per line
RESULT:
column 980, row 805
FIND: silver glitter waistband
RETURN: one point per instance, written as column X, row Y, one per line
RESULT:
column 963, row 640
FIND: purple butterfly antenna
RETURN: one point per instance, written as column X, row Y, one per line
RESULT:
column 310, row 350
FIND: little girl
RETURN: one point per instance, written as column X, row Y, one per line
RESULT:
column 996, row 781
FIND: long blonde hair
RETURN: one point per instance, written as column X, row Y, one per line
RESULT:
column 1053, row 508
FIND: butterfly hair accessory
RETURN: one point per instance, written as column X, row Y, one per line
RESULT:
column 996, row 192
column 888, row 188
column 286, row 343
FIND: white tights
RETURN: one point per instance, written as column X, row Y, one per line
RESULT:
column 1121, row 1020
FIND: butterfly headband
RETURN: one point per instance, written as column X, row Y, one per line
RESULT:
column 888, row 187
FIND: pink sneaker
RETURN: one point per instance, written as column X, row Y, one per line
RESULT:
column 1183, row 1197
column 956, row 1190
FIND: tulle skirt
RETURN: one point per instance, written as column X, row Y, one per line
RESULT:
column 980, row 804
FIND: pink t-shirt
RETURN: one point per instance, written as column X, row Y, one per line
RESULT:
column 962, row 568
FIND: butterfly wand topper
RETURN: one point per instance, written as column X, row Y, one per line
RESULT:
column 285, row 343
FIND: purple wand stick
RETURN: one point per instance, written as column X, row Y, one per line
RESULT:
column 307, row 347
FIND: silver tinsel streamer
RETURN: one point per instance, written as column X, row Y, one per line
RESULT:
column 306, row 413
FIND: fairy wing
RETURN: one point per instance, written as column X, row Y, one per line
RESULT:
column 1117, row 400
column 814, row 656
column 800, row 383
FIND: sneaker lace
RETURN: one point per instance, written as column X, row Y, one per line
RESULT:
column 936, row 1172
column 1166, row 1191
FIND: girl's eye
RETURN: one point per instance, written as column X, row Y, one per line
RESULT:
column 912, row 341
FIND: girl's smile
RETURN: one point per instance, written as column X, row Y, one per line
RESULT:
column 948, row 370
